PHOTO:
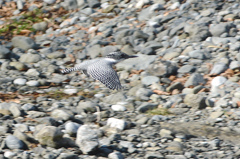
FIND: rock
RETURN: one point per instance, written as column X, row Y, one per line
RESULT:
column 61, row 114
column 4, row 52
column 194, row 80
column 23, row 42
column 20, row 81
column 30, row 58
column 234, row 65
column 218, row 68
column 148, row 80
column 70, row 91
column 15, row 109
column 120, row 108
column 177, row 85
column 196, row 101
column 87, row 139
column 138, row 63
column 166, row 133
column 115, row 155
column 71, row 128
column 143, row 93
column 69, row 4
column 197, row 54
column 50, row 136
column 216, row 114
column 86, row 107
column 56, row 55
column 42, row 26
column 115, row 98
column 13, row 142
column 151, row 155
column 144, row 107
column 49, row 1
column 218, row 29
column 116, row 123
column 218, row 81
column 186, row 69
column 162, row 68
column 18, row 65
column 33, row 83
column 32, row 72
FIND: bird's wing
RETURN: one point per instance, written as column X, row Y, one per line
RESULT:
column 105, row 74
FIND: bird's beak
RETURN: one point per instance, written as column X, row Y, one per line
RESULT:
column 132, row 56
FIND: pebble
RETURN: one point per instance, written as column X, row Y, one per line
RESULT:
column 13, row 142
column 118, row 108
column 20, row 81
column 72, row 127
column 32, row 83
column 116, row 123
column 23, row 42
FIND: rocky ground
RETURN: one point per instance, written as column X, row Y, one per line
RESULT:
column 181, row 95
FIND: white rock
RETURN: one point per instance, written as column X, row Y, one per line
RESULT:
column 70, row 91
column 9, row 154
column 32, row 72
column 118, row 108
column 217, row 81
column 141, row 3
column 174, row 6
column 116, row 123
column 33, row 83
column 20, row 81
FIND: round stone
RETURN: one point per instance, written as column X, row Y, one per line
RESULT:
column 20, row 81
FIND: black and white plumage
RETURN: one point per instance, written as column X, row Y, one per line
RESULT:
column 101, row 69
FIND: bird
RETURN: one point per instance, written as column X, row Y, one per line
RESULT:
column 102, row 69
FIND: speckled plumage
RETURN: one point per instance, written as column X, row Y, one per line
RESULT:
column 101, row 69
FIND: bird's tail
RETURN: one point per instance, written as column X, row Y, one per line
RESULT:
column 67, row 70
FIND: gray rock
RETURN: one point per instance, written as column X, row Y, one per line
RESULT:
column 144, row 107
column 219, row 68
column 235, row 46
column 50, row 136
column 108, row 49
column 115, row 155
column 218, row 29
column 234, row 65
column 166, row 133
column 61, row 114
column 32, row 72
column 71, row 128
column 143, row 93
column 194, row 80
column 87, row 139
column 138, row 63
column 86, row 107
column 23, row 42
column 42, row 26
column 162, row 68
column 49, row 1
column 28, row 107
column 70, row 4
column 94, row 51
column 186, row 69
column 16, row 110
column 176, row 85
column 197, row 32
column 197, row 54
column 13, row 142
column 151, row 155
column 171, row 55
column 115, row 98
column 18, row 65
column 56, row 55
column 94, row 3
column 4, row 52
column 148, row 80
column 196, row 101
column 30, row 58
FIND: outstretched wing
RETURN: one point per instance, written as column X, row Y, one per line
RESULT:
column 105, row 74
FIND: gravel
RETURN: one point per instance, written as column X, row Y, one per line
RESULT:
column 181, row 93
